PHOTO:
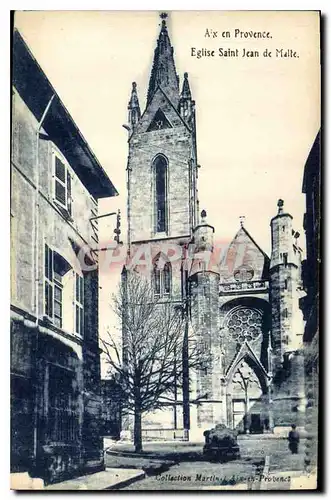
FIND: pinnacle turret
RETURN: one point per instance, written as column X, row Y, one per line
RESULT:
column 186, row 91
column 133, row 107
column 186, row 104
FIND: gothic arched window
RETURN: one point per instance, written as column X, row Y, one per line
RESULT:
column 161, row 277
column 157, row 280
column 160, row 181
column 166, row 278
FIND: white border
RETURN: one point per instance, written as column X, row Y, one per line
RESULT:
column 322, row 5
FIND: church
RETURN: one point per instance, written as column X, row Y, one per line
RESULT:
column 244, row 311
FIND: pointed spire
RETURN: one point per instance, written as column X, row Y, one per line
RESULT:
column 163, row 69
column 186, row 91
column 133, row 107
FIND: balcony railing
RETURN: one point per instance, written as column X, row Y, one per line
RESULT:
column 248, row 286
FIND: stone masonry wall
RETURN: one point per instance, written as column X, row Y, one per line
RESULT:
column 65, row 235
column 175, row 144
column 205, row 325
column 54, row 229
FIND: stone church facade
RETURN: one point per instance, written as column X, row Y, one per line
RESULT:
column 242, row 309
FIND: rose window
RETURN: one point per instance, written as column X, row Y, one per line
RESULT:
column 245, row 324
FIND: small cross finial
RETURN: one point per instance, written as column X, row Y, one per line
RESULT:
column 242, row 220
column 280, row 205
column 163, row 16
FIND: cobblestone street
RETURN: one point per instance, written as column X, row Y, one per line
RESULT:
column 196, row 472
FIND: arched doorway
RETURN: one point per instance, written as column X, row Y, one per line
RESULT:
column 245, row 335
column 247, row 398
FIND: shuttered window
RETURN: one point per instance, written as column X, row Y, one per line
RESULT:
column 57, row 300
column 62, row 183
column 54, row 270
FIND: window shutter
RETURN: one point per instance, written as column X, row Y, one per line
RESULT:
column 79, row 301
column 69, row 193
column 49, row 256
column 60, row 181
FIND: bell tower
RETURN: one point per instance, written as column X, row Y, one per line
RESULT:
column 162, row 191
column 162, row 162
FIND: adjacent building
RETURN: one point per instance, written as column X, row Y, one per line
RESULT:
column 56, row 182
column 310, row 303
column 242, row 310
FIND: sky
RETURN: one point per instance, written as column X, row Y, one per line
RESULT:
column 256, row 117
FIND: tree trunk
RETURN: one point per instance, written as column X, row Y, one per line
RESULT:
column 137, row 438
column 185, row 359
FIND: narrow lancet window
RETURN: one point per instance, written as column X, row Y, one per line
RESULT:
column 167, row 278
column 160, row 173
column 157, row 281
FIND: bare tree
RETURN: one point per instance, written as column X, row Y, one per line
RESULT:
column 149, row 357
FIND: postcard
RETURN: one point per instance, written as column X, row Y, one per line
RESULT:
column 165, row 250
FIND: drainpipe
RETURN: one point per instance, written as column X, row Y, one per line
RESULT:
column 36, row 271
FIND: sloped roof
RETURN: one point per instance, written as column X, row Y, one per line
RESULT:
column 36, row 90
column 244, row 253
